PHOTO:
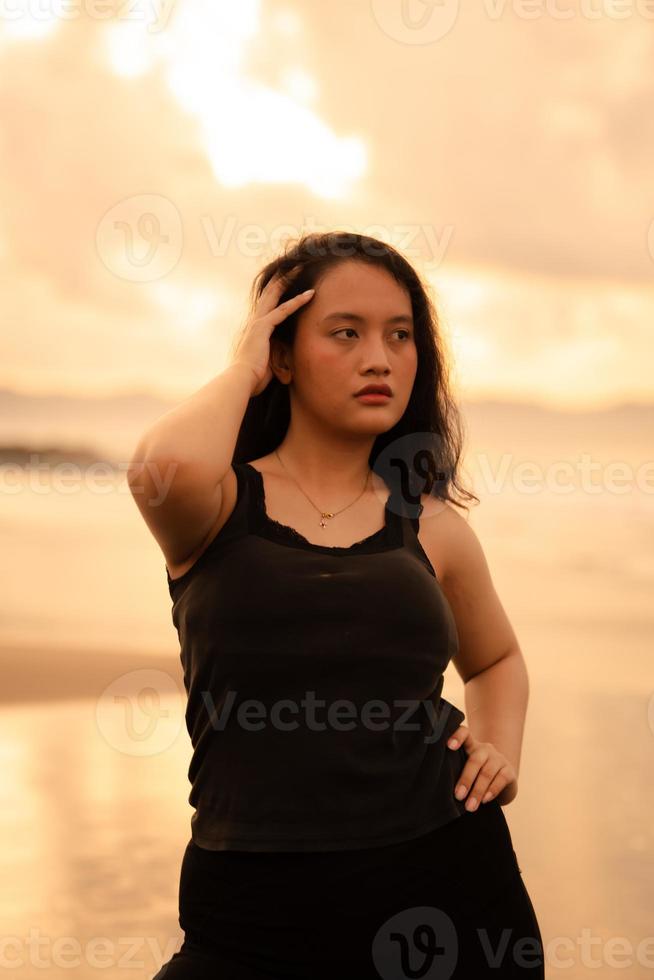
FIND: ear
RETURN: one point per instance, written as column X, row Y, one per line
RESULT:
column 281, row 360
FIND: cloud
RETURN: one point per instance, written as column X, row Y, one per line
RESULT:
column 523, row 145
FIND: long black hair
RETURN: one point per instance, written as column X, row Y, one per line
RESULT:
column 423, row 449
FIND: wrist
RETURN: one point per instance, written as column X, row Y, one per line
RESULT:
column 246, row 371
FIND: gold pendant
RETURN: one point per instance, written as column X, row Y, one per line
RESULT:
column 323, row 516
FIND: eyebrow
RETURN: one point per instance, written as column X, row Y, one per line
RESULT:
column 400, row 318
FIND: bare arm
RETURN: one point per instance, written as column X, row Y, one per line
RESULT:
column 177, row 469
column 496, row 706
column 178, row 466
column 202, row 430
column 489, row 659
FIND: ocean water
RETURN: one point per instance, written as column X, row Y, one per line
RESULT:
column 92, row 836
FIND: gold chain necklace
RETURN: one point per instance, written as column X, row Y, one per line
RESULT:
column 324, row 515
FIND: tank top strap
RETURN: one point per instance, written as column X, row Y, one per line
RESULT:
column 236, row 526
column 394, row 522
column 255, row 504
column 406, row 516
column 238, row 523
column 404, row 512
column 250, row 495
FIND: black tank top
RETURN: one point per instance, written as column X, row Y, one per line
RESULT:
column 314, row 677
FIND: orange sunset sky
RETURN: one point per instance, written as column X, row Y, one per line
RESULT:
column 154, row 155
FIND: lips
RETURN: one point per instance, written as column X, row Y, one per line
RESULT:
column 374, row 390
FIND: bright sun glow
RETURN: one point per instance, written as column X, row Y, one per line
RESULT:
column 252, row 132
column 24, row 20
column 128, row 54
column 190, row 308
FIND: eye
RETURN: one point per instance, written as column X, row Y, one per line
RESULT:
column 403, row 330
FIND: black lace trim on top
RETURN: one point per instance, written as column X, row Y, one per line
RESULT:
column 290, row 534
column 386, row 537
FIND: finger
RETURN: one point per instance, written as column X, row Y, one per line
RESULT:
column 469, row 774
column 480, row 785
column 285, row 309
column 497, row 784
column 466, row 779
column 274, row 288
column 458, row 737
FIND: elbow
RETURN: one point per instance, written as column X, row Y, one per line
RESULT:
column 513, row 656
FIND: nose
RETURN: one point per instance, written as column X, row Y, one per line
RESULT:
column 374, row 357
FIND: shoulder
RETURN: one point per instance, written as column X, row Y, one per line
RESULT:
column 448, row 538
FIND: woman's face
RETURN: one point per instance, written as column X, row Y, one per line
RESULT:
column 334, row 355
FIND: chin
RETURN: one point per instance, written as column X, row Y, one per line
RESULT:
column 375, row 426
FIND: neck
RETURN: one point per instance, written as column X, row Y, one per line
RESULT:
column 329, row 464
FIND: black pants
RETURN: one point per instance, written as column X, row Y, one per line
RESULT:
column 450, row 904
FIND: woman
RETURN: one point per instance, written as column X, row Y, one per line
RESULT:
column 322, row 580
